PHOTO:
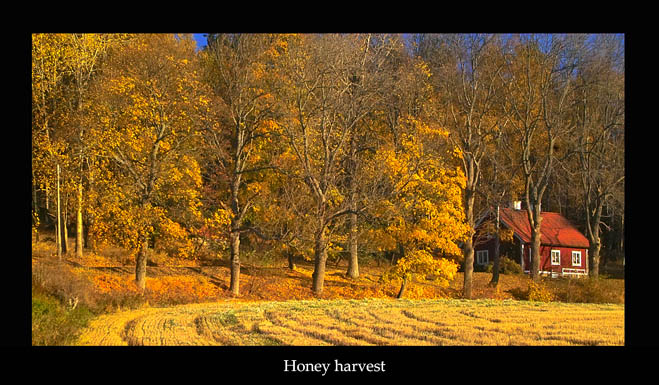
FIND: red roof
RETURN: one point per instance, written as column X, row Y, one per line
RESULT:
column 555, row 229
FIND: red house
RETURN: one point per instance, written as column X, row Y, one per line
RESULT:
column 563, row 248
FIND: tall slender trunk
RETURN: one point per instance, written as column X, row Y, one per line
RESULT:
column 90, row 240
column 497, row 258
column 35, row 205
column 140, row 264
column 353, row 262
column 468, row 248
column 59, row 225
column 79, row 228
column 65, row 228
column 595, row 240
column 621, row 240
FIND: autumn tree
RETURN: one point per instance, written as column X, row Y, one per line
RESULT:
column 238, row 71
column 466, row 74
column 63, row 68
column 370, row 62
column 538, row 83
column 424, row 216
column 321, row 72
column 50, row 59
column 86, row 51
column 150, row 104
column 599, row 145
column 501, row 182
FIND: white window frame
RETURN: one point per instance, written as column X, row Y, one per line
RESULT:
column 558, row 253
column 479, row 256
column 574, row 254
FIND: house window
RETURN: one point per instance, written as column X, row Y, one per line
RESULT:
column 576, row 258
column 482, row 257
column 556, row 257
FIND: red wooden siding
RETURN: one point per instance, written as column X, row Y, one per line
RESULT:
column 557, row 233
column 545, row 258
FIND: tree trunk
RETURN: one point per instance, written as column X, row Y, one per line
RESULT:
column 320, row 259
column 65, row 229
column 595, row 239
column 234, row 238
column 234, row 249
column 469, row 268
column 621, row 240
column 79, row 229
column 58, row 236
column 403, row 286
column 497, row 258
column 140, row 264
column 468, row 248
column 594, row 255
column 353, row 262
column 291, row 262
column 90, row 240
column 535, row 253
column 497, row 262
column 35, row 205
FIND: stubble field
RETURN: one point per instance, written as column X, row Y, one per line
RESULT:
column 363, row 322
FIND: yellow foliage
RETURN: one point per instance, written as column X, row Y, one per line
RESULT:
column 539, row 292
column 420, row 263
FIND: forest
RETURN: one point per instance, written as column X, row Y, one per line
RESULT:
column 322, row 147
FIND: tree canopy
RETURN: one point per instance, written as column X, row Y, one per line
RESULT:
column 313, row 145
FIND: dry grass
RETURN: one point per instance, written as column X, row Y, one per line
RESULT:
column 364, row 322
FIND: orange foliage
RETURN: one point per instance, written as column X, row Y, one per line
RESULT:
column 181, row 289
column 114, row 283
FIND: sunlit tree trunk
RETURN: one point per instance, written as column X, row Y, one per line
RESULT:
column 536, row 222
column 497, row 257
column 403, row 286
column 79, row 229
column 234, row 244
column 59, row 224
column 468, row 248
column 65, row 228
column 353, row 262
column 140, row 264
column 234, row 252
column 320, row 260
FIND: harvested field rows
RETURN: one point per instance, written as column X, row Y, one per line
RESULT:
column 363, row 322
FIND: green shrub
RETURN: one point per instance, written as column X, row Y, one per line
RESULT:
column 54, row 323
column 510, row 267
column 506, row 266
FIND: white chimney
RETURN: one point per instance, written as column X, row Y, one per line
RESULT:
column 517, row 205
